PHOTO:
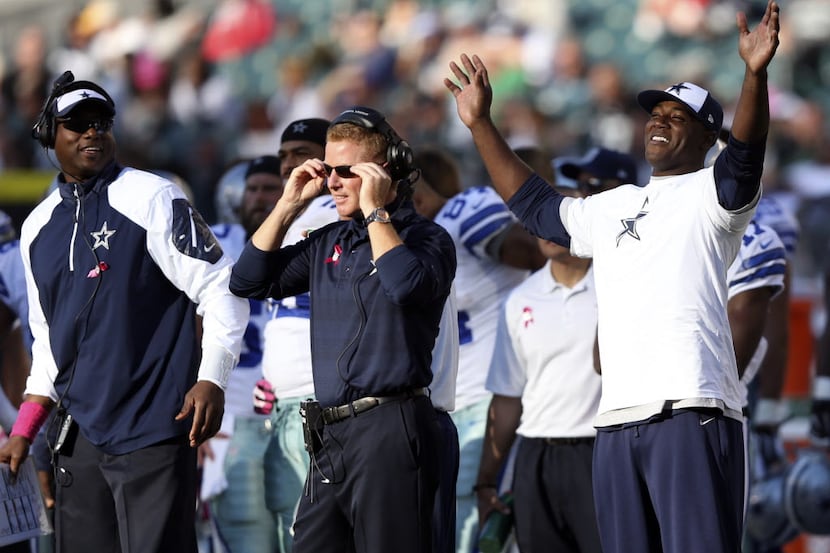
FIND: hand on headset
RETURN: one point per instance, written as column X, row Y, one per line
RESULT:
column 376, row 188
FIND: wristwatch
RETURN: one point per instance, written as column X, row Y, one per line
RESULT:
column 380, row 215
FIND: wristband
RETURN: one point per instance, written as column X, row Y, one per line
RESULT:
column 30, row 418
column 216, row 366
column 483, row 486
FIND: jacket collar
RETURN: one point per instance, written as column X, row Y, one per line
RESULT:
column 99, row 181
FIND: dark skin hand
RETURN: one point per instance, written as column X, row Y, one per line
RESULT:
column 206, row 402
column 16, row 449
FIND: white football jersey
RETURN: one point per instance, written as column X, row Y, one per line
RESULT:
column 773, row 214
column 473, row 218
column 761, row 262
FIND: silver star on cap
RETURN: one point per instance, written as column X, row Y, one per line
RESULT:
column 102, row 237
column 299, row 128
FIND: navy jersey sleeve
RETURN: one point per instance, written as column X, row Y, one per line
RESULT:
column 738, row 173
column 536, row 204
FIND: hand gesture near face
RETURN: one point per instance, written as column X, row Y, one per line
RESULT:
column 376, row 188
column 305, row 183
column 757, row 47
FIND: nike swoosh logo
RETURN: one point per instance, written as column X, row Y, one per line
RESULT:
column 208, row 248
column 765, row 245
column 707, row 421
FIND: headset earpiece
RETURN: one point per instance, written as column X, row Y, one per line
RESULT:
column 399, row 157
column 44, row 128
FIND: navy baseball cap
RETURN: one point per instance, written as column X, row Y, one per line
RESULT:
column 698, row 100
column 263, row 164
column 603, row 164
column 310, row 130
column 79, row 92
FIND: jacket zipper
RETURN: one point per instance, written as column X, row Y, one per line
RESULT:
column 74, row 229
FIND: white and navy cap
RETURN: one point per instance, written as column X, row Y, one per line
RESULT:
column 697, row 99
column 79, row 92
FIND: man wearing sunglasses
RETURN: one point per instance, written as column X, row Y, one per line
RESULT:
column 378, row 281
column 118, row 264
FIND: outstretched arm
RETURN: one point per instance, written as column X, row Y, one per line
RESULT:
column 756, row 48
column 473, row 96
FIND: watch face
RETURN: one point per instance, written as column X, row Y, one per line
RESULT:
column 380, row 215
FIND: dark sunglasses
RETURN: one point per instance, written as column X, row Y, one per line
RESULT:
column 81, row 125
column 343, row 171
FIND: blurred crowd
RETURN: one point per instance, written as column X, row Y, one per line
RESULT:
column 200, row 87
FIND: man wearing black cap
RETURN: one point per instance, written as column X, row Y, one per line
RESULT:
column 669, row 459
column 118, row 264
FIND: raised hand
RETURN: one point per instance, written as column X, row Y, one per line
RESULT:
column 757, row 47
column 473, row 94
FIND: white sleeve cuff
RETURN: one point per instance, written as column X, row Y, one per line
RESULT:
column 217, row 364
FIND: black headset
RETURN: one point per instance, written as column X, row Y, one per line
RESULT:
column 399, row 157
column 44, row 128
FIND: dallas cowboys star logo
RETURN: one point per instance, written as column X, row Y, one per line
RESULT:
column 85, row 94
column 102, row 237
column 299, row 128
column 676, row 88
column 630, row 224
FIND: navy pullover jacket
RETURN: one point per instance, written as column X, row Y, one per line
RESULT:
column 117, row 348
column 373, row 325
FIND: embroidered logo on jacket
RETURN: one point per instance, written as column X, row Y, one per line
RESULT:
column 192, row 235
column 102, row 237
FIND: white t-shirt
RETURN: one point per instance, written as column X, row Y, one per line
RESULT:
column 660, row 258
column 473, row 218
column 544, row 353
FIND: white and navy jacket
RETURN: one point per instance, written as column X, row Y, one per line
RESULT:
column 117, row 268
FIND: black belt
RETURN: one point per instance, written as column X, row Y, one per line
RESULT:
column 353, row 408
column 568, row 441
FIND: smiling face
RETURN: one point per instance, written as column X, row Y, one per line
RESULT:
column 675, row 141
column 83, row 155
